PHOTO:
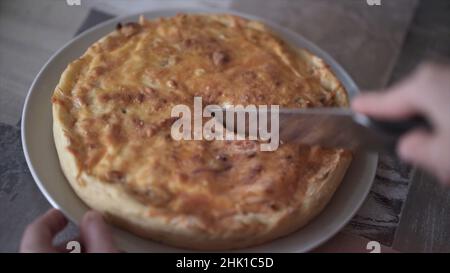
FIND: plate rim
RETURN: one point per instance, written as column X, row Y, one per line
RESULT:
column 343, row 76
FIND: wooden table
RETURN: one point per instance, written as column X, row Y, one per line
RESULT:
column 377, row 45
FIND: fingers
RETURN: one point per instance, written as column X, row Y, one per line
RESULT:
column 95, row 234
column 38, row 236
column 382, row 105
column 416, row 147
column 425, row 93
column 399, row 102
column 419, row 148
column 423, row 149
column 405, row 99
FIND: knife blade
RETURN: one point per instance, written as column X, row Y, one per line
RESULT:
column 337, row 127
column 332, row 127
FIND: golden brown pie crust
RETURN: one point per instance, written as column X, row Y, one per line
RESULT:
column 111, row 122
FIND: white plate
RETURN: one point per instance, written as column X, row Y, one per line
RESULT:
column 41, row 157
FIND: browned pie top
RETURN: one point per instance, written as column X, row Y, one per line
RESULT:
column 119, row 97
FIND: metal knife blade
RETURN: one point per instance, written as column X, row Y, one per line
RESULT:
column 337, row 127
column 332, row 127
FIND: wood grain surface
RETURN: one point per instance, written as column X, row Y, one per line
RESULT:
column 425, row 221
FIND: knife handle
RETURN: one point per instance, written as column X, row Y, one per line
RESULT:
column 395, row 129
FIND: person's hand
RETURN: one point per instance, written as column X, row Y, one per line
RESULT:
column 426, row 92
column 39, row 235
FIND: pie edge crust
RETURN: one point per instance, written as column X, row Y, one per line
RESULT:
column 120, row 209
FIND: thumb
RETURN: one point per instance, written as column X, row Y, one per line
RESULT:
column 96, row 234
column 39, row 235
column 399, row 101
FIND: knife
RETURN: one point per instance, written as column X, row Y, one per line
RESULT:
column 339, row 128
